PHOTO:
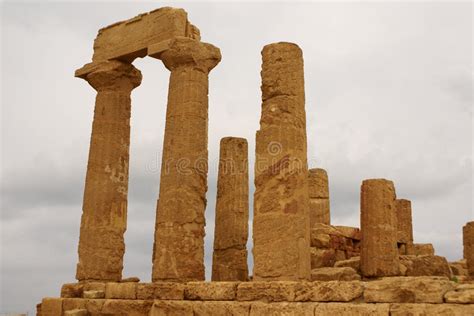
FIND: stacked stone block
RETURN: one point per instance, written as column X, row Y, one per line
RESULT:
column 379, row 252
column 318, row 190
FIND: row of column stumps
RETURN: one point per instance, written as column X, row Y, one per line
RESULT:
column 289, row 199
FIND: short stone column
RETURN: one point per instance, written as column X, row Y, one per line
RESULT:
column 318, row 189
column 178, row 252
column 379, row 253
column 104, row 217
column 468, row 242
column 404, row 225
column 281, row 203
column 229, row 261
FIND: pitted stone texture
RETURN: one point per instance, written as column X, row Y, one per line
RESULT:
column 459, row 267
column 468, row 241
column 76, row 312
column 334, row 274
column 352, row 309
column 288, row 291
column 274, row 291
column 211, row 291
column 229, row 262
column 103, row 222
column 407, row 290
column 126, row 307
column 277, row 309
column 335, row 291
column 404, row 222
column 121, row 290
column 160, row 290
column 73, row 303
column 72, row 290
column 221, row 308
column 318, row 190
column 171, row 308
column 93, row 294
column 425, row 266
column 423, row 249
column 178, row 252
column 379, row 252
column 462, row 294
column 51, row 306
column 431, row 309
column 281, row 214
column 353, row 263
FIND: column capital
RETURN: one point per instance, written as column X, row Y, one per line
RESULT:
column 110, row 75
column 187, row 52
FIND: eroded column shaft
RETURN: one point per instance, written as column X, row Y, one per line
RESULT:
column 379, row 253
column 281, row 216
column 229, row 262
column 178, row 253
column 404, row 225
column 104, row 217
column 318, row 189
column 468, row 242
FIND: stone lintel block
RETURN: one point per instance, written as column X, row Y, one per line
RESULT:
column 211, row 291
column 130, row 39
column 121, row 290
column 156, row 49
column 160, row 290
column 407, row 290
column 72, row 290
column 126, row 307
column 283, row 308
column 51, row 306
column 431, row 309
column 352, row 309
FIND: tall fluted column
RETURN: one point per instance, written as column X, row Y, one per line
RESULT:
column 281, row 201
column 178, row 252
column 104, row 217
column 378, row 224
column 229, row 261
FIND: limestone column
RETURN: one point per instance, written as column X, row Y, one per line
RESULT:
column 229, row 261
column 178, row 252
column 379, row 253
column 281, row 215
column 318, row 189
column 104, row 217
column 468, row 242
column 404, row 225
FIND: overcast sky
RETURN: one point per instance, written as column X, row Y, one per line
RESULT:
column 388, row 94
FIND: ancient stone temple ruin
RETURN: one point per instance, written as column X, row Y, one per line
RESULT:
column 303, row 263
